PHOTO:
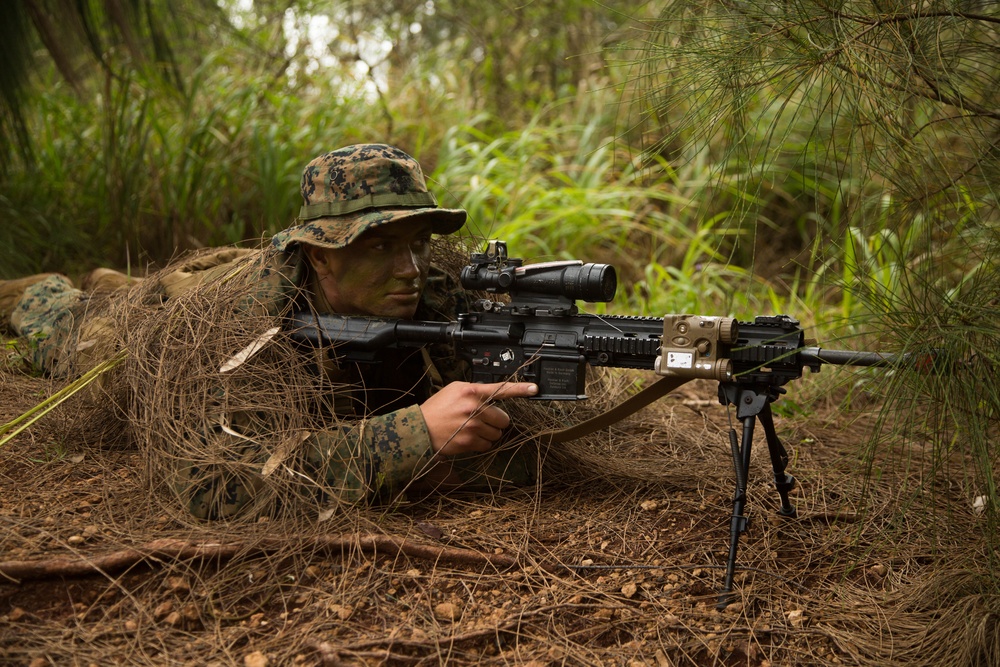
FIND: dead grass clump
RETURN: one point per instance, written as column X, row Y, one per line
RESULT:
column 197, row 425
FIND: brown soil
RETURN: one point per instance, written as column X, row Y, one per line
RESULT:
column 609, row 574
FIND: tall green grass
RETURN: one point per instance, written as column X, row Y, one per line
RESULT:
column 558, row 190
column 140, row 176
column 139, row 173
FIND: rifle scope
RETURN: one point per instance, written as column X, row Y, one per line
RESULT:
column 572, row 279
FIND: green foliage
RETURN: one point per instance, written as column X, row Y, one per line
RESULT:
column 953, row 406
column 80, row 37
column 513, row 57
column 865, row 133
column 134, row 162
column 564, row 188
column 143, row 174
column 809, row 107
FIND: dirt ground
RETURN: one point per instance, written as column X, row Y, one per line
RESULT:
column 96, row 571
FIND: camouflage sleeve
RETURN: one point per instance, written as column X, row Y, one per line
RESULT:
column 45, row 320
column 352, row 461
column 373, row 457
column 384, row 456
column 348, row 464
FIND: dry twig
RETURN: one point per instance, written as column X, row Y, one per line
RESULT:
column 172, row 550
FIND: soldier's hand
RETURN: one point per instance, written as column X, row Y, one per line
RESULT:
column 461, row 419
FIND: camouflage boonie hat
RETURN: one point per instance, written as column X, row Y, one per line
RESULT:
column 350, row 190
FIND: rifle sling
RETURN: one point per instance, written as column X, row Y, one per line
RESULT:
column 657, row 390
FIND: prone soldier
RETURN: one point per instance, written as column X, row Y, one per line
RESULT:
column 361, row 246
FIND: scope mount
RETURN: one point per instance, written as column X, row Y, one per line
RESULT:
column 496, row 259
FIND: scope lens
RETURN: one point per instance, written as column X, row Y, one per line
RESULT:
column 591, row 282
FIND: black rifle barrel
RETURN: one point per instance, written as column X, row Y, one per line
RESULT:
column 813, row 355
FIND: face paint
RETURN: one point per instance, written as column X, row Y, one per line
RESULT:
column 382, row 273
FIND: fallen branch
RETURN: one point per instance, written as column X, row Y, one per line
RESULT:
column 329, row 654
column 159, row 552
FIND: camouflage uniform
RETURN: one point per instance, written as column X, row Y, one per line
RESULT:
column 44, row 317
column 377, row 441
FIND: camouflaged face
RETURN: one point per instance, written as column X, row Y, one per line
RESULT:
column 350, row 190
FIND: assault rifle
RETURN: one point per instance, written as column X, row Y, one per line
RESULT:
column 540, row 336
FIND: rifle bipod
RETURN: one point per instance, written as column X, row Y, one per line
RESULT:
column 753, row 402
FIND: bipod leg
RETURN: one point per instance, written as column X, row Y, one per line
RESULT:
column 738, row 522
column 783, row 482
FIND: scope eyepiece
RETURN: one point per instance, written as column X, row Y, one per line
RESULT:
column 572, row 279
